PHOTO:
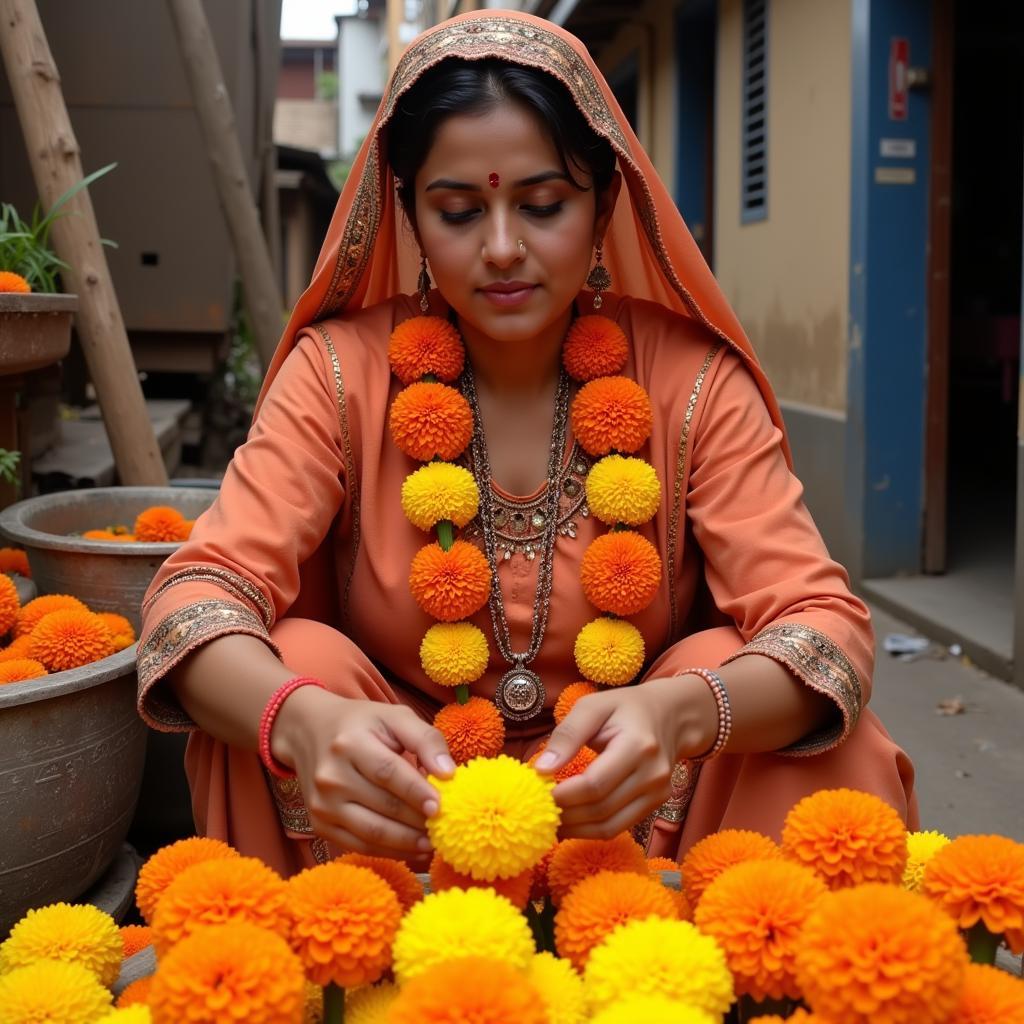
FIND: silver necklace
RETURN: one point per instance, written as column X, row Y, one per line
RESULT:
column 521, row 693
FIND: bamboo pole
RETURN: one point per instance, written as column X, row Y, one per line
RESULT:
column 56, row 166
column 217, row 120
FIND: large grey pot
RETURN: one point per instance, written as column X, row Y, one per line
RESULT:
column 71, row 755
column 107, row 576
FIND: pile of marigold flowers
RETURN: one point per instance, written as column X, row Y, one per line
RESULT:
column 848, row 920
column 54, row 633
column 156, row 524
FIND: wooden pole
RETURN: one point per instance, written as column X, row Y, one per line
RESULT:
column 56, row 166
column 217, row 120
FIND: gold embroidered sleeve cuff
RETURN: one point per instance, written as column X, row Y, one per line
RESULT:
column 237, row 586
column 816, row 659
column 176, row 635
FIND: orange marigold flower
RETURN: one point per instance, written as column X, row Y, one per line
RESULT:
column 611, row 414
column 568, row 697
column 430, row 420
column 755, row 912
column 425, row 344
column 10, row 604
column 981, row 878
column 450, row 585
column 234, row 971
column 216, row 891
column 658, row 864
column 577, row 765
column 135, row 937
column 120, row 629
column 594, row 347
column 620, row 572
column 168, row 862
column 878, row 953
column 12, row 282
column 404, row 883
column 576, row 859
column 707, row 859
column 101, row 535
column 15, row 560
column 989, row 996
column 18, row 670
column 344, row 920
column 798, row 1016
column 539, row 890
column 471, row 990
column 515, row 889
column 473, row 729
column 847, row 837
column 70, row 639
column 38, row 607
column 161, row 523
column 135, row 994
column 17, row 648
column 597, row 905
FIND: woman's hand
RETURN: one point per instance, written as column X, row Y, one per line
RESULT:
column 361, row 791
column 640, row 732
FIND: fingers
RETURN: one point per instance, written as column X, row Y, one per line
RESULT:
column 389, row 771
column 622, row 765
column 576, row 730
column 355, row 827
column 625, row 818
column 426, row 742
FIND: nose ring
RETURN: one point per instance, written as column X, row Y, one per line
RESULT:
column 522, row 247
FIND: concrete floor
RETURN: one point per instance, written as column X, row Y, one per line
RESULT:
column 970, row 766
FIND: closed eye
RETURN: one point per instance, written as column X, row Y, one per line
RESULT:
column 544, row 211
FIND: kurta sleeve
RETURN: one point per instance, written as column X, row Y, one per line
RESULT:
column 239, row 571
column 765, row 562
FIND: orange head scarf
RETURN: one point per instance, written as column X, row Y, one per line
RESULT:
column 370, row 253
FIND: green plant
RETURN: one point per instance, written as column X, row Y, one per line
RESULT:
column 25, row 247
column 9, row 466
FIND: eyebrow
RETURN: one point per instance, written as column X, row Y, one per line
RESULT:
column 462, row 186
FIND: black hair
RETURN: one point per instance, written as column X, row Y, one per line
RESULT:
column 457, row 86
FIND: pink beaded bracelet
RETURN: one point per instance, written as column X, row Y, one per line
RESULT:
column 277, row 698
column 721, row 695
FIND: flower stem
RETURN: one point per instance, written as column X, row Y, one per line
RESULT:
column 982, row 944
column 462, row 693
column 446, row 534
column 334, row 1004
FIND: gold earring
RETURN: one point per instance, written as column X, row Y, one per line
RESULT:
column 598, row 280
column 424, row 284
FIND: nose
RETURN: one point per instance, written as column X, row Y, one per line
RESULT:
column 501, row 246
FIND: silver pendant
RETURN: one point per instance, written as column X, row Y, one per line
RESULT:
column 520, row 694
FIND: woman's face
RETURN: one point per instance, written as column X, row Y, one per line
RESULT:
column 470, row 228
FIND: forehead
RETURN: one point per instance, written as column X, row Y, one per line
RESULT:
column 508, row 138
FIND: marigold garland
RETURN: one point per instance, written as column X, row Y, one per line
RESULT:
column 709, row 857
column 70, row 639
column 609, row 651
column 921, row 847
column 560, row 988
column 576, row 859
column 611, row 414
column 50, row 991
column 12, row 282
column 989, row 996
column 425, row 345
column 598, row 905
column 594, row 347
column 440, row 491
column 846, row 836
column 161, row 523
column 39, row 607
column 623, row 489
column 568, row 697
column 170, row 861
column 405, row 885
column 620, row 572
column 18, row 670
column 577, row 765
column 878, row 953
column 454, row 653
column 515, row 889
column 473, row 729
column 450, row 585
column 430, row 421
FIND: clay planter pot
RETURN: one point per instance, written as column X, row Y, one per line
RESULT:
column 35, row 330
column 70, row 770
column 107, row 576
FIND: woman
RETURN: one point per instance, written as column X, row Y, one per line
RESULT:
column 501, row 163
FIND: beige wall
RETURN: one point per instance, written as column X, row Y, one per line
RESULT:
column 787, row 276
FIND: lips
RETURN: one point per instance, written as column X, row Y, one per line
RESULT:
column 507, row 287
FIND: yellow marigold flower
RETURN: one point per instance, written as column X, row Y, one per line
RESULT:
column 921, row 847
column 878, row 953
column 31, row 614
column 622, row 489
column 70, row 639
column 755, row 911
column 344, row 920
column 460, row 923
column 847, row 837
column 168, row 862
column 120, row 629
column 10, row 604
column 656, row 957
column 137, row 1014
column 989, row 996
column 560, row 988
column 652, row 1008
column 80, row 934
column 707, row 859
column 981, row 878
column 234, row 971
column 52, row 992
column 575, row 859
column 609, row 651
column 236, row 889
column 453, row 653
column 497, row 818
column 12, row 282
column 437, row 491
column 370, row 1004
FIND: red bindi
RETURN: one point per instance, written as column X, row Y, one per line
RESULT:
column 493, row 180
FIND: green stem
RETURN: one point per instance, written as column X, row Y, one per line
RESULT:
column 334, row 1004
column 462, row 693
column 446, row 534
column 982, row 944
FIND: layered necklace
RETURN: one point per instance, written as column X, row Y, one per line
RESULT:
column 451, row 579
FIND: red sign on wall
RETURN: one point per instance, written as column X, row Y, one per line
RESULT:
column 899, row 63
